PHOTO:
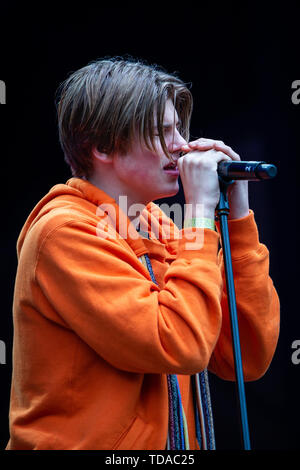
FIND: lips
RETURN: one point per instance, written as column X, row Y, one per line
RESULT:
column 170, row 166
column 171, row 169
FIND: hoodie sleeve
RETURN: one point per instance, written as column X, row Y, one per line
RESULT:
column 99, row 289
column 257, row 305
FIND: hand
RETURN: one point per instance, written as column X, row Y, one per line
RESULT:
column 202, row 184
column 198, row 172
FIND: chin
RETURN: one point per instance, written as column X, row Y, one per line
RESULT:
column 167, row 194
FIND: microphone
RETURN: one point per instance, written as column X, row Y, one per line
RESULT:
column 253, row 171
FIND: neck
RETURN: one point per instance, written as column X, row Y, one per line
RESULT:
column 130, row 203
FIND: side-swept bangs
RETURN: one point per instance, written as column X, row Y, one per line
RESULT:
column 107, row 103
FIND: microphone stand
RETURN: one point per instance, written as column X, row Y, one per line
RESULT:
column 222, row 210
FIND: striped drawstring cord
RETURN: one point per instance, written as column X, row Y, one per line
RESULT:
column 178, row 436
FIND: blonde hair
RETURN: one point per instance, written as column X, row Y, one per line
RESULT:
column 108, row 102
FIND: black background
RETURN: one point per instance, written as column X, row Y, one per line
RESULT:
column 241, row 60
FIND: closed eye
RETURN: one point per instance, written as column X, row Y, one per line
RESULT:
column 169, row 128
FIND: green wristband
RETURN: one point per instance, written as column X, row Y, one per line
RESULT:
column 200, row 222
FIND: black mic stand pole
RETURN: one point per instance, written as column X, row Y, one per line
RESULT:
column 222, row 211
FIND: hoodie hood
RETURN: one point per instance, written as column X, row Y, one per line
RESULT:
column 80, row 195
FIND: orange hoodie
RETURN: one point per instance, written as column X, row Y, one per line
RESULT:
column 94, row 337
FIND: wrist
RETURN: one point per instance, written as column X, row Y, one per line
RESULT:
column 199, row 210
column 238, row 200
column 200, row 222
column 238, row 214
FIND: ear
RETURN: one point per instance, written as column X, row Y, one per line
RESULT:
column 101, row 157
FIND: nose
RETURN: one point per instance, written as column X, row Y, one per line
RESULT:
column 177, row 142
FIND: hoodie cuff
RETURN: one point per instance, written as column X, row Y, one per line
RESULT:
column 202, row 241
column 243, row 235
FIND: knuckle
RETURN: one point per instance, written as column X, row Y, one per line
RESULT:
column 223, row 155
column 180, row 163
column 236, row 155
column 229, row 149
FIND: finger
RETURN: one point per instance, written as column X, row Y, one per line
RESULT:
column 201, row 144
column 206, row 144
column 206, row 157
column 221, row 156
column 198, row 144
column 219, row 145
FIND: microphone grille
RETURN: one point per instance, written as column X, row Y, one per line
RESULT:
column 267, row 171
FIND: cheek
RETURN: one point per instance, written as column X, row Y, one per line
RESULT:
column 140, row 165
column 147, row 164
